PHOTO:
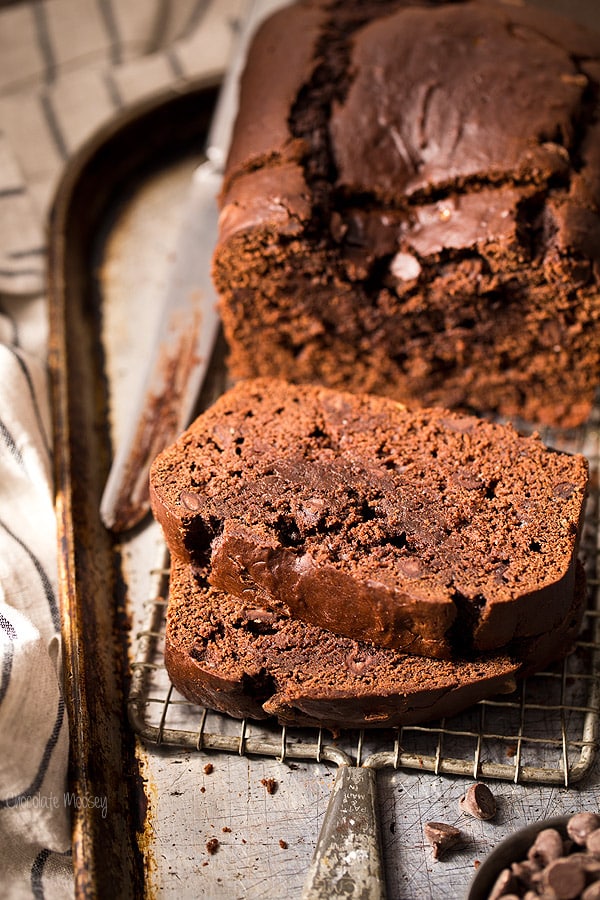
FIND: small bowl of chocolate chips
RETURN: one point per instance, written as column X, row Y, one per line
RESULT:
column 555, row 858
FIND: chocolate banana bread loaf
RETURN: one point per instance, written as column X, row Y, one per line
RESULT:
column 239, row 658
column 411, row 206
column 429, row 531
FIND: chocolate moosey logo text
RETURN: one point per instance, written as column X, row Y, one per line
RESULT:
column 54, row 801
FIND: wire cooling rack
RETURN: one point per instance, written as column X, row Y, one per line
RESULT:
column 546, row 732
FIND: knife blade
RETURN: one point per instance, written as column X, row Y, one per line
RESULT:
column 189, row 322
column 177, row 363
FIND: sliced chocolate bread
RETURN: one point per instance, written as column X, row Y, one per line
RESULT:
column 427, row 531
column 239, row 658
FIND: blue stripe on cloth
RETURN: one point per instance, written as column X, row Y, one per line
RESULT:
column 174, row 63
column 196, row 15
column 53, row 127
column 10, row 443
column 7, row 659
column 14, row 338
column 30, row 251
column 17, row 191
column 43, row 41
column 110, row 23
column 113, row 90
column 35, row 785
column 34, row 401
column 46, row 584
column 37, row 871
column 8, row 627
column 17, row 273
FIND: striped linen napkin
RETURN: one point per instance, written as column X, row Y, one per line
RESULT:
column 66, row 66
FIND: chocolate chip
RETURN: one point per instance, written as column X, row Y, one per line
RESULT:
column 269, row 784
column 259, row 614
column 547, row 847
column 591, row 864
column 190, row 500
column 582, row 824
column 564, row 489
column 556, row 869
column 592, row 842
column 410, row 567
column 312, row 510
column 479, row 802
column 524, row 870
column 467, row 481
column 565, row 878
column 442, row 837
column 505, row 883
column 356, row 665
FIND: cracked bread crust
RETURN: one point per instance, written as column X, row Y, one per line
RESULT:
column 404, row 211
column 244, row 660
column 425, row 530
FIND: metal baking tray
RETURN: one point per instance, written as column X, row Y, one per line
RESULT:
column 177, row 779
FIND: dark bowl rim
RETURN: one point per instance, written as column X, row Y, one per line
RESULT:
column 512, row 848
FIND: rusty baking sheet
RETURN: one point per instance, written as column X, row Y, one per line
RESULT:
column 152, row 134
column 169, row 790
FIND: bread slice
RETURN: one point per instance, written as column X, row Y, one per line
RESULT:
column 238, row 658
column 426, row 531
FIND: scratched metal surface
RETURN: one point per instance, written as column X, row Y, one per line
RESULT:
column 265, row 840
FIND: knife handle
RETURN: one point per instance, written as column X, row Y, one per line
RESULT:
column 347, row 858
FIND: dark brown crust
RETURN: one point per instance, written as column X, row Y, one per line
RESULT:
column 232, row 657
column 262, row 135
column 424, row 530
column 456, row 264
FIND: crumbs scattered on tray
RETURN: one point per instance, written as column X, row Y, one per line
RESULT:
column 270, row 784
column 209, row 769
column 283, row 844
column 212, row 846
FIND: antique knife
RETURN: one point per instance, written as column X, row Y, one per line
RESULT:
column 189, row 321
